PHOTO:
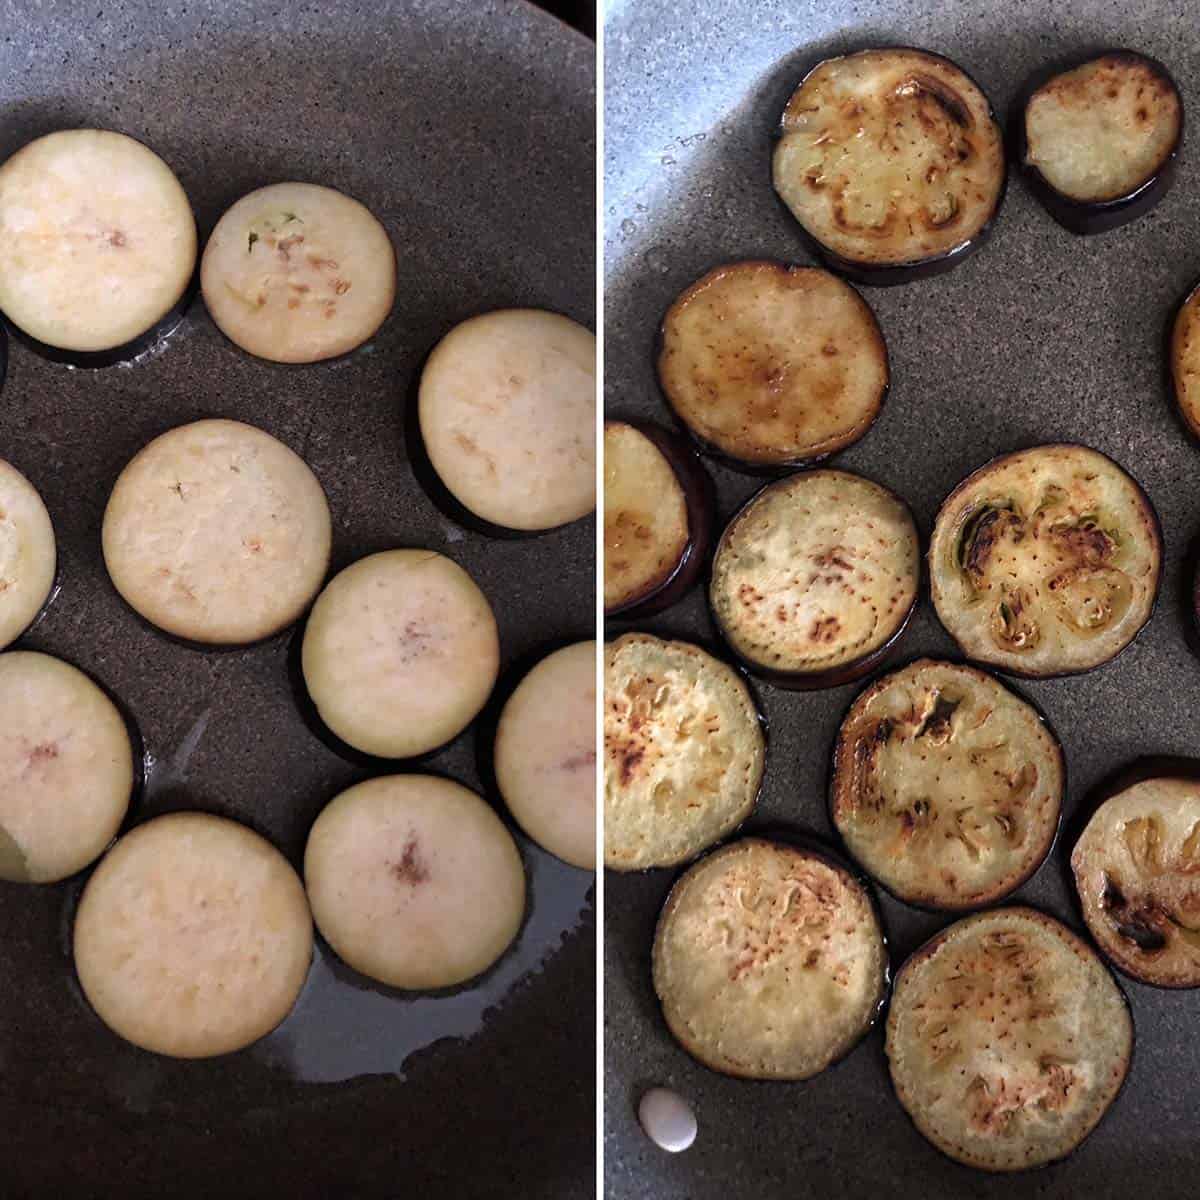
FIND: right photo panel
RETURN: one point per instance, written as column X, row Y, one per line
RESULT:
column 901, row 682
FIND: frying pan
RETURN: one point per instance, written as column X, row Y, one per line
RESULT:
column 1041, row 336
column 469, row 129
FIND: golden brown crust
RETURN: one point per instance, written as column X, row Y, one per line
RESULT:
column 1185, row 360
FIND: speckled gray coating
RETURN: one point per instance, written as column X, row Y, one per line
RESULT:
column 1041, row 336
column 468, row 129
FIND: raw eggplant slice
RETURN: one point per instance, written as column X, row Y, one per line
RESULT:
column 773, row 366
column 658, row 516
column 684, row 752
column 947, row 787
column 28, row 554
column 1099, row 141
column 1137, row 870
column 1046, row 561
column 892, row 162
column 769, row 961
column 1185, row 360
column 814, row 580
column 1007, row 1040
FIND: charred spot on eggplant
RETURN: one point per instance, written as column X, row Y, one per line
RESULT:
column 769, row 960
column 1007, row 1040
column 1098, row 142
column 1137, row 871
column 773, row 366
column 815, row 578
column 946, row 787
column 1185, row 360
column 658, row 515
column 684, row 752
column 892, row 162
column 1045, row 562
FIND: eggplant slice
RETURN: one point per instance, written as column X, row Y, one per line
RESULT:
column 892, row 162
column 773, row 366
column 1045, row 562
column 814, row 580
column 1099, row 141
column 769, row 961
column 658, row 516
column 28, row 554
column 1007, row 1040
column 947, row 788
column 1185, row 360
column 1137, row 870
column 684, row 752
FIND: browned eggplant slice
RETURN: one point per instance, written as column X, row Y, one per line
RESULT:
column 814, row 580
column 1099, row 141
column 1137, row 870
column 1007, row 1040
column 773, row 366
column 684, row 752
column 769, row 961
column 947, row 787
column 1185, row 360
column 658, row 516
column 892, row 162
column 1046, row 561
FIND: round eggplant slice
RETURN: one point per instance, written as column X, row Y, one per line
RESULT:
column 97, row 240
column 1007, row 1040
column 892, row 162
column 217, row 533
column 545, row 754
column 507, row 410
column 414, row 881
column 814, row 580
column 684, row 752
column 658, row 515
column 771, row 365
column 193, row 936
column 769, row 961
column 400, row 653
column 67, row 770
column 296, row 273
column 1137, row 870
column 28, row 556
column 1185, row 360
column 947, row 787
column 1100, row 140
column 1045, row 562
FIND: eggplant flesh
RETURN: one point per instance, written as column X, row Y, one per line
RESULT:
column 947, row 787
column 1007, row 1040
column 890, row 160
column 684, row 752
column 1046, row 561
column 28, row 554
column 773, row 366
column 1185, row 361
column 769, row 961
column 1137, row 871
column 1099, row 141
column 814, row 580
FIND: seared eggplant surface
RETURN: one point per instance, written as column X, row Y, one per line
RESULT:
column 1045, row 562
column 1185, row 360
column 1137, row 869
column 658, row 514
column 772, row 365
column 1100, row 137
column 769, row 961
column 815, row 578
column 946, row 787
column 684, row 752
column 890, row 159
column 1007, row 1039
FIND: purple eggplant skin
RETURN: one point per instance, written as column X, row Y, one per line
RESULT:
column 700, row 499
column 831, row 774
column 1080, row 217
column 892, row 274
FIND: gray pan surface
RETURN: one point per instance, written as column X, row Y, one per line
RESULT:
column 1041, row 336
column 469, row 130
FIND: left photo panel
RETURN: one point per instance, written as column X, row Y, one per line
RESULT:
column 298, row 600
